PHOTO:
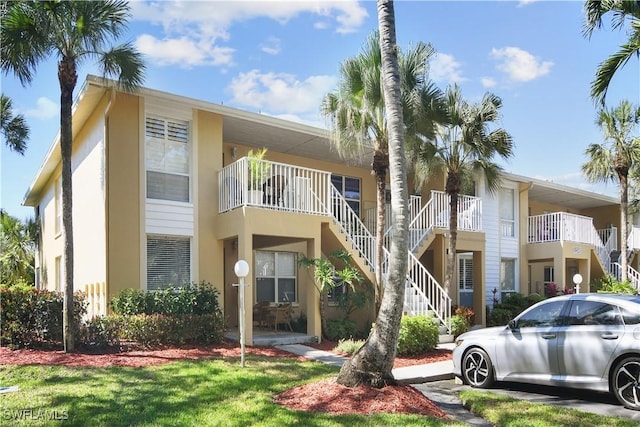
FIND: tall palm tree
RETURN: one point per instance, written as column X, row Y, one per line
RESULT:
column 17, row 250
column 359, row 121
column 615, row 158
column 372, row 364
column 13, row 127
column 621, row 11
column 72, row 32
column 464, row 149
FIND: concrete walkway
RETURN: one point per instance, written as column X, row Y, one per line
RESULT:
column 417, row 374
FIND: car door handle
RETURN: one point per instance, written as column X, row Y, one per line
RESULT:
column 609, row 336
column 548, row 336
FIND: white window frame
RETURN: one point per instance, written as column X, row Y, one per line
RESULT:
column 277, row 275
column 503, row 278
column 58, row 205
column 507, row 225
column 166, row 141
column 59, row 276
column 176, row 239
column 465, row 277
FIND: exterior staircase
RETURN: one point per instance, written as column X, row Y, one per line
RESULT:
column 633, row 244
column 423, row 294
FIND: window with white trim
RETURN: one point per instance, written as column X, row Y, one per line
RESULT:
column 465, row 272
column 350, row 190
column 168, row 262
column 507, row 276
column 507, row 212
column 58, row 205
column 276, row 278
column 59, row 276
column 168, row 159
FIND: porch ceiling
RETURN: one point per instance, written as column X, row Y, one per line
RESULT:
column 572, row 198
column 299, row 140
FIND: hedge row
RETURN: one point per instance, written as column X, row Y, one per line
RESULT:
column 186, row 315
column 31, row 317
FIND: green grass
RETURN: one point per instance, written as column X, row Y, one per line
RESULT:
column 504, row 411
column 213, row 392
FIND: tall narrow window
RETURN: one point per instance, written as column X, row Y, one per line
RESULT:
column 276, row 277
column 59, row 275
column 507, row 276
column 465, row 272
column 350, row 190
column 58, row 205
column 507, row 212
column 168, row 159
column 168, row 261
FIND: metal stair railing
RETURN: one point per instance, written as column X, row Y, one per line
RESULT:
column 632, row 274
column 418, row 280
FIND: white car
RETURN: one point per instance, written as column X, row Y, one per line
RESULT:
column 586, row 341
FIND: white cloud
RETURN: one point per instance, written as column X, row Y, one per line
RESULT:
column 488, row 82
column 523, row 3
column 279, row 92
column 45, row 109
column 444, row 68
column 206, row 24
column 271, row 46
column 520, row 65
column 183, row 51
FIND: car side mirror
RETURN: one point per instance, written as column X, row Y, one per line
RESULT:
column 512, row 325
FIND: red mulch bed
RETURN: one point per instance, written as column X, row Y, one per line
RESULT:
column 321, row 396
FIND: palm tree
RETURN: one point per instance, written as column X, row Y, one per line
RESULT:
column 621, row 11
column 359, row 121
column 372, row 364
column 615, row 158
column 463, row 149
column 72, row 32
column 14, row 128
column 17, row 250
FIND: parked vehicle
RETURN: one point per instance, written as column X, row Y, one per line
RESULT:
column 586, row 341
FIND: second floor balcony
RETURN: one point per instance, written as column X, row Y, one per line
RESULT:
column 563, row 226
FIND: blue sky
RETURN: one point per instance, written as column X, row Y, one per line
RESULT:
column 280, row 58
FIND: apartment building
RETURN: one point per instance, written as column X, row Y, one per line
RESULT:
column 164, row 193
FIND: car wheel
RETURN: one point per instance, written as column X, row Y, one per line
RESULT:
column 477, row 369
column 626, row 382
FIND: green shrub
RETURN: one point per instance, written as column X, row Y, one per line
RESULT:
column 458, row 325
column 160, row 329
column 32, row 317
column 609, row 284
column 196, row 298
column 510, row 306
column 103, row 331
column 349, row 346
column 418, row 334
column 341, row 329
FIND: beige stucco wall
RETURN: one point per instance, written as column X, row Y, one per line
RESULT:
column 209, row 250
column 51, row 240
column 89, row 213
column 124, row 198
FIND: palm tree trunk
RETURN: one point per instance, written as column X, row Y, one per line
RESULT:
column 372, row 364
column 381, row 211
column 67, row 77
column 624, row 212
column 453, row 240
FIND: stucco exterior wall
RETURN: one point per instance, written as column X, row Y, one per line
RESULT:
column 124, row 198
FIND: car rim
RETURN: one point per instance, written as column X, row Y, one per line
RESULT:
column 628, row 383
column 476, row 368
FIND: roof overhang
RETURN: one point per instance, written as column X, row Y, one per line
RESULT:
column 562, row 195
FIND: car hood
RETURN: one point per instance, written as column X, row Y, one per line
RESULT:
column 484, row 332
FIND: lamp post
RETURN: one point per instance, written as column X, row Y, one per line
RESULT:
column 577, row 279
column 241, row 268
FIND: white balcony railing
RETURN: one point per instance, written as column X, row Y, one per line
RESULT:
column 562, row 226
column 273, row 185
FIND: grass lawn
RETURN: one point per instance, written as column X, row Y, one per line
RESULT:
column 503, row 411
column 211, row 392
